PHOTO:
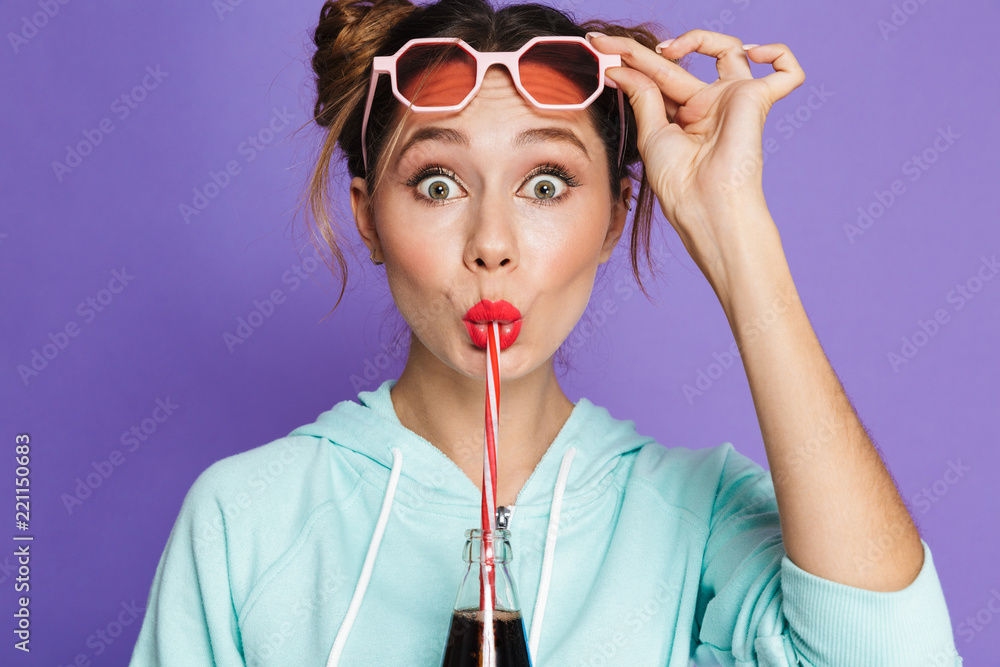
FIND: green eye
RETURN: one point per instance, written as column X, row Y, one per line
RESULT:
column 545, row 187
column 439, row 187
column 548, row 184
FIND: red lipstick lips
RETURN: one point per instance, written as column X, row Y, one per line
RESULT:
column 506, row 315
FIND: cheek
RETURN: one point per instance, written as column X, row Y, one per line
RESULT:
column 410, row 271
column 568, row 252
column 417, row 271
column 566, row 273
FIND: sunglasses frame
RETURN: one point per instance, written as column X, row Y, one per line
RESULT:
column 485, row 59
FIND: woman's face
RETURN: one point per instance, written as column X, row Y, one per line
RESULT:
column 501, row 201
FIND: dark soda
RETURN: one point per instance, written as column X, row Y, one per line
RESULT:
column 465, row 639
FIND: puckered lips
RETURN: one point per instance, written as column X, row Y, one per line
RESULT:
column 501, row 312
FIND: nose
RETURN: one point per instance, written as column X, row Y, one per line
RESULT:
column 492, row 243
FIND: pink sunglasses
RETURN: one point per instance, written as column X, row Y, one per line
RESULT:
column 549, row 72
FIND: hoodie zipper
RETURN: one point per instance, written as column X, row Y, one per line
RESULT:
column 504, row 513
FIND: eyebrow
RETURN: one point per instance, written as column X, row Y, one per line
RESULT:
column 524, row 138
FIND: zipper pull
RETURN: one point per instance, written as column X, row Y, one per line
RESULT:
column 504, row 513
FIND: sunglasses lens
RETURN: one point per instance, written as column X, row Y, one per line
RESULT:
column 559, row 72
column 436, row 75
column 442, row 75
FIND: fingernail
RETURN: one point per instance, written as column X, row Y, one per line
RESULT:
column 664, row 44
column 747, row 47
column 595, row 34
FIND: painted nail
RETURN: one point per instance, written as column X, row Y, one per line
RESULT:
column 595, row 34
column 747, row 47
column 662, row 45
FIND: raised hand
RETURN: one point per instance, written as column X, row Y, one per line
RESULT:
column 701, row 143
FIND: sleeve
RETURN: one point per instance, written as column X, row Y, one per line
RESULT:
column 190, row 615
column 756, row 607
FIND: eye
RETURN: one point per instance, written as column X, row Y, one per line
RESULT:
column 550, row 184
column 544, row 186
column 435, row 184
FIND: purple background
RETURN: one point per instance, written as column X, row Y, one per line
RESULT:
column 886, row 97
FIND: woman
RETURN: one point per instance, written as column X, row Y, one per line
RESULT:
column 340, row 543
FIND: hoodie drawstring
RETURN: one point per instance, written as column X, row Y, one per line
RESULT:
column 383, row 518
column 366, row 570
column 550, row 548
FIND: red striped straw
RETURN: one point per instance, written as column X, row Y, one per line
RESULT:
column 490, row 483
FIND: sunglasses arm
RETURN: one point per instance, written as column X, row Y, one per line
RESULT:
column 624, row 127
column 364, row 122
column 615, row 60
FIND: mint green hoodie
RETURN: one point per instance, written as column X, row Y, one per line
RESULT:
column 341, row 544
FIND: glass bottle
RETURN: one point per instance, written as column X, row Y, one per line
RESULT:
column 507, row 645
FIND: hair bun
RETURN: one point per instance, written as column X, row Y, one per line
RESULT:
column 347, row 37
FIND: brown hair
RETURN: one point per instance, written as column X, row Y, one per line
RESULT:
column 351, row 32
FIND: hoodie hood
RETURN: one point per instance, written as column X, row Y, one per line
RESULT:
column 420, row 472
column 371, row 428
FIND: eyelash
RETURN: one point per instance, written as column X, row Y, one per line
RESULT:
column 550, row 168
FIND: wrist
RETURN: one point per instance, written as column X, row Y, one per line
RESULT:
column 745, row 250
column 757, row 288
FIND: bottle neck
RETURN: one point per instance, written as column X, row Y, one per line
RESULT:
column 476, row 540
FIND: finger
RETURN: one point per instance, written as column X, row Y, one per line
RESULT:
column 671, row 107
column 650, row 106
column 788, row 75
column 672, row 80
column 731, row 59
column 668, row 104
